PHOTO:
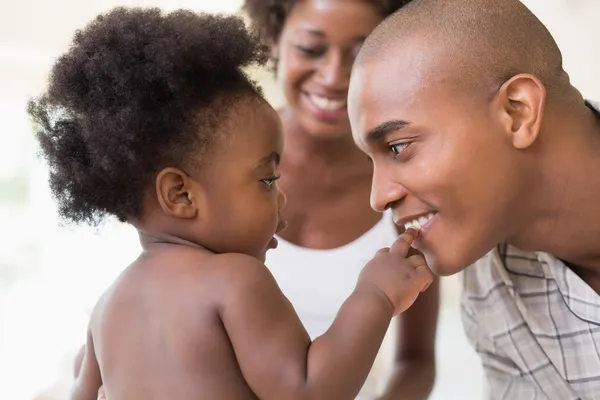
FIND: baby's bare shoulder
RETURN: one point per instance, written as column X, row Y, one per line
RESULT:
column 230, row 267
column 240, row 269
column 244, row 277
column 216, row 277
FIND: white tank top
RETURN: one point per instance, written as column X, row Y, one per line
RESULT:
column 317, row 282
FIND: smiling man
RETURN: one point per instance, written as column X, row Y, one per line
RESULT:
column 479, row 139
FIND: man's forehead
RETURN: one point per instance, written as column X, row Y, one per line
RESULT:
column 381, row 92
column 398, row 76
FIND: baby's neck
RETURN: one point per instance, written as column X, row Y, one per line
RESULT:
column 152, row 240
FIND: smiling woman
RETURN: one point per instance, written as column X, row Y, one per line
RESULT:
column 327, row 180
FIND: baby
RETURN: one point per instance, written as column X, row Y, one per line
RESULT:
column 150, row 118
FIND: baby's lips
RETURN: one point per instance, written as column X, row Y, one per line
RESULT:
column 281, row 226
column 426, row 287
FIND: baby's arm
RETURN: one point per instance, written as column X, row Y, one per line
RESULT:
column 274, row 351
column 89, row 380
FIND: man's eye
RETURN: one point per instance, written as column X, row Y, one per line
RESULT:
column 399, row 147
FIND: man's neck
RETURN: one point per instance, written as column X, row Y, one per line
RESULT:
column 567, row 205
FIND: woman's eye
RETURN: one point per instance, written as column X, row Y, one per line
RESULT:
column 354, row 51
column 399, row 147
column 312, row 52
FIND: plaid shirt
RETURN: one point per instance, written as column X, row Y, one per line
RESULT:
column 535, row 325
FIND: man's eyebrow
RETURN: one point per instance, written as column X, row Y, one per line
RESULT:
column 274, row 157
column 388, row 126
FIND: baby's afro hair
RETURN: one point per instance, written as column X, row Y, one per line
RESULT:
column 136, row 92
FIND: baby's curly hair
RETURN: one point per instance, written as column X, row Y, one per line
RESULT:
column 138, row 91
column 268, row 16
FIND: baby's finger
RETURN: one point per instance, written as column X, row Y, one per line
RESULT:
column 382, row 251
column 402, row 245
column 412, row 252
column 423, row 277
column 417, row 260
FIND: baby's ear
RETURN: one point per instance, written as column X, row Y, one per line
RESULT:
column 177, row 193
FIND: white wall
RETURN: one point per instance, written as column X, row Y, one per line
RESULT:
column 576, row 28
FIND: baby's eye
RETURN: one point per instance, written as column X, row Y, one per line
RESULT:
column 271, row 181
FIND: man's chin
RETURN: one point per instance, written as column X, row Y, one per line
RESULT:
column 442, row 267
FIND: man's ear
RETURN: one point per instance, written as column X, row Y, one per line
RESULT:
column 177, row 193
column 520, row 105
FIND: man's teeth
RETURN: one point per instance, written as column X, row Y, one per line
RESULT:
column 327, row 104
column 419, row 222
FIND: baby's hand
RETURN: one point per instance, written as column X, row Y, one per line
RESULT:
column 396, row 275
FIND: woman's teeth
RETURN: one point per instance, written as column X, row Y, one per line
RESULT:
column 327, row 104
column 418, row 223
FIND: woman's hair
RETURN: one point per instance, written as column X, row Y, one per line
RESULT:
column 138, row 91
column 268, row 16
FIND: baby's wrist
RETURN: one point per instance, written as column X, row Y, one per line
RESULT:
column 378, row 295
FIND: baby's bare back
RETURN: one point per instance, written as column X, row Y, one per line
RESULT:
column 157, row 332
column 168, row 329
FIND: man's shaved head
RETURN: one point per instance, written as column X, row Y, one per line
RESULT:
column 466, row 112
column 480, row 39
